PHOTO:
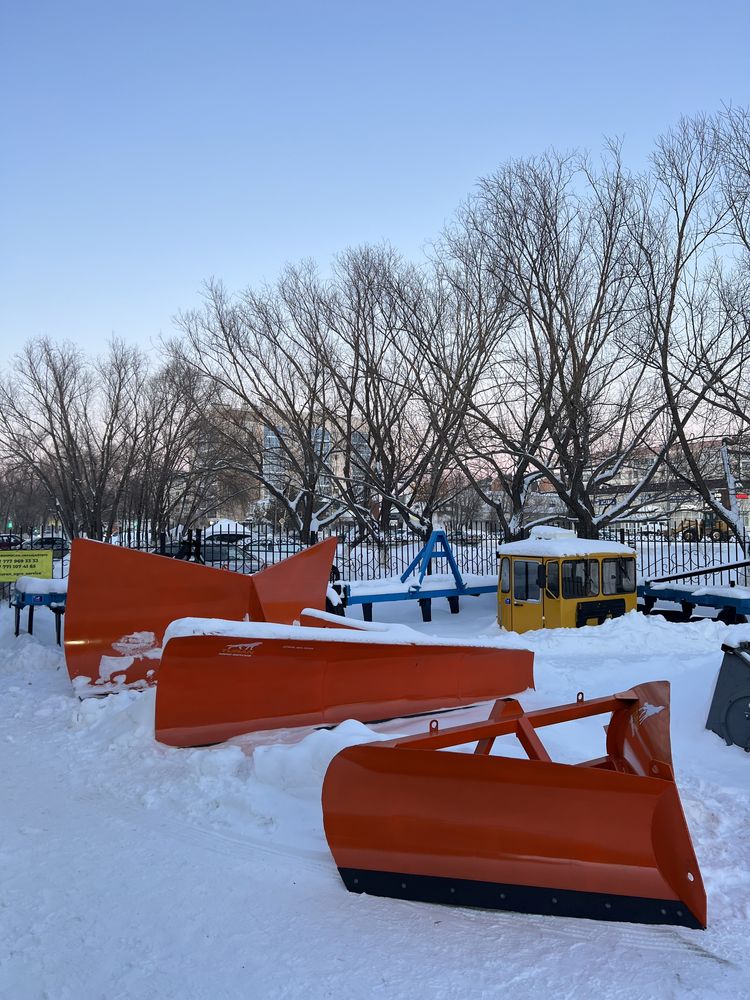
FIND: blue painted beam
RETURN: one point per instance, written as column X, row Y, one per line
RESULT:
column 417, row 595
column 678, row 595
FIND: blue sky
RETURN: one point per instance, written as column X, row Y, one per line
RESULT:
column 149, row 146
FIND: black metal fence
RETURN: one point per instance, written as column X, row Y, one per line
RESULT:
column 474, row 547
column 662, row 549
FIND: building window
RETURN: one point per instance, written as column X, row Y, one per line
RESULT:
column 321, row 439
column 273, row 457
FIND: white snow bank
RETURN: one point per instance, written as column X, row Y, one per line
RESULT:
column 225, row 526
column 552, row 542
column 33, row 585
column 348, row 622
column 435, row 581
column 301, row 767
column 739, row 593
column 264, row 787
column 399, row 635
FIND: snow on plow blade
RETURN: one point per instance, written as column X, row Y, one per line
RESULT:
column 121, row 601
column 256, row 676
column 605, row 839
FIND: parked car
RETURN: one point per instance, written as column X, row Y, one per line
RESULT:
column 226, row 537
column 59, row 545
column 10, row 542
column 271, row 549
column 218, row 556
column 466, row 536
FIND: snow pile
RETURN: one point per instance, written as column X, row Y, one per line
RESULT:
column 225, row 526
column 379, row 633
column 300, row 768
column 435, row 581
column 34, row 585
column 737, row 593
column 707, row 590
column 552, row 542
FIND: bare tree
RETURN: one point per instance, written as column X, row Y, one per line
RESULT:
column 261, row 355
column 400, row 360
column 76, row 425
column 23, row 504
column 180, row 460
column 733, row 138
column 370, row 403
column 694, row 328
column 557, row 235
column 498, row 397
column 454, row 323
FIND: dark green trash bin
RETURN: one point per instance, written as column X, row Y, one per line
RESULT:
column 729, row 715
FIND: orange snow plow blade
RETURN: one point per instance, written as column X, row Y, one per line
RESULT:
column 605, row 839
column 121, row 601
column 215, row 686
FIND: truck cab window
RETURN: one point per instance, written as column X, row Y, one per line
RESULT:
column 526, row 580
column 580, row 578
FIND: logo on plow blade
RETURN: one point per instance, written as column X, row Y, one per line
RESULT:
column 240, row 649
column 643, row 713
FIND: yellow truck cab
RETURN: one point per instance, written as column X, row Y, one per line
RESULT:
column 556, row 580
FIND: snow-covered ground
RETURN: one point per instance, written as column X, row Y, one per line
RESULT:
column 132, row 870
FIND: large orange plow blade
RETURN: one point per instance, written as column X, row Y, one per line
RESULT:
column 257, row 676
column 121, row 601
column 604, row 839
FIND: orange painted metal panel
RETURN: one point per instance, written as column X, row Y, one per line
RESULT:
column 280, row 592
column 120, row 602
column 531, row 835
column 214, row 687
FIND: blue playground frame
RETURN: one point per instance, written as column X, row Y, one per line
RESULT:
column 730, row 608
column 437, row 546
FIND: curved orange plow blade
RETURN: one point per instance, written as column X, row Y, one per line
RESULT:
column 121, row 601
column 606, row 839
column 213, row 687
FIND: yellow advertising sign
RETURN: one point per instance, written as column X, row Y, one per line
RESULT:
column 24, row 562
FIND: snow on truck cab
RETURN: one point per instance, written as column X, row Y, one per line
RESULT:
column 554, row 579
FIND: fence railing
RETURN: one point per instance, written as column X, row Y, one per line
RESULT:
column 662, row 549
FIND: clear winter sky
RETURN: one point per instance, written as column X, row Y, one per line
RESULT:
column 147, row 146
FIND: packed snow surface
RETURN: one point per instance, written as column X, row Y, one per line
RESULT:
column 132, row 870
